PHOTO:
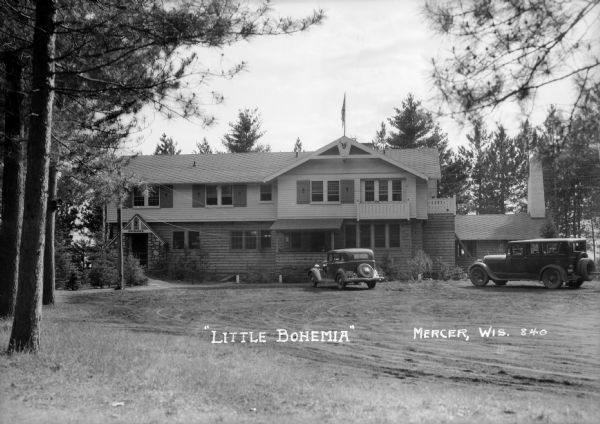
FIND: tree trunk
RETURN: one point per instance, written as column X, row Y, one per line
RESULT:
column 25, row 335
column 120, row 245
column 12, row 184
column 49, row 265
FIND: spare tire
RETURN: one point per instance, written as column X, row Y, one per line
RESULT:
column 365, row 270
column 585, row 268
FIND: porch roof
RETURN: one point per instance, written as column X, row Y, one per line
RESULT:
column 307, row 224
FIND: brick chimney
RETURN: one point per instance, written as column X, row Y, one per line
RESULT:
column 536, row 205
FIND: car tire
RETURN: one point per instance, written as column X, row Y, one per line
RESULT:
column 478, row 276
column 552, row 279
column 585, row 268
column 313, row 280
column 371, row 285
column 500, row 282
column 339, row 281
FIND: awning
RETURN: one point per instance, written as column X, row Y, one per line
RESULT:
column 307, row 224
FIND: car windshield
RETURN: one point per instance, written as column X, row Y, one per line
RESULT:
column 579, row 246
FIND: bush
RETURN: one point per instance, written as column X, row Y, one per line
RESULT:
column 104, row 269
column 445, row 271
column 421, row 264
column 390, row 268
column 133, row 273
column 189, row 267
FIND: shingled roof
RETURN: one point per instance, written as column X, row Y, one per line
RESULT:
column 497, row 227
column 249, row 167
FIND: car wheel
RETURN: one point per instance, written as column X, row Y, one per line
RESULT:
column 500, row 282
column 478, row 276
column 575, row 284
column 585, row 268
column 552, row 279
column 313, row 280
column 339, row 281
column 371, row 285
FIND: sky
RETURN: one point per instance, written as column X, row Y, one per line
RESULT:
column 375, row 52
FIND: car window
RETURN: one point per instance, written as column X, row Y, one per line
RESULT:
column 579, row 246
column 360, row 256
column 535, row 249
column 517, row 250
column 555, row 248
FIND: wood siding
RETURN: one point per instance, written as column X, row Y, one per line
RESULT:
column 438, row 237
column 183, row 209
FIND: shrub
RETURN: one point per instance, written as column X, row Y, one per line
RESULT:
column 189, row 267
column 390, row 267
column 104, row 269
column 420, row 264
column 133, row 273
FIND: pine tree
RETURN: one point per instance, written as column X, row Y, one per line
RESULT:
column 203, row 148
column 298, row 146
column 244, row 133
column 166, row 146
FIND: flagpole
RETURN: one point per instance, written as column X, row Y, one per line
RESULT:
column 344, row 115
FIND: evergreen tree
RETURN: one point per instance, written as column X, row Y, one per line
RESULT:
column 298, row 146
column 166, row 146
column 203, row 148
column 244, row 133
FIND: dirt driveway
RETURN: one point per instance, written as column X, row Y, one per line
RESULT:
column 544, row 340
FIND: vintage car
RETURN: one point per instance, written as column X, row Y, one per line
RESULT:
column 553, row 261
column 346, row 266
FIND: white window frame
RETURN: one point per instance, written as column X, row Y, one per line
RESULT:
column 145, row 193
column 377, row 184
column 219, row 196
column 260, row 193
column 325, row 193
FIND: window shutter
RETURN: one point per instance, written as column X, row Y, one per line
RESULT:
column 166, row 196
column 128, row 202
column 198, row 196
column 302, row 191
column 239, row 195
column 347, row 189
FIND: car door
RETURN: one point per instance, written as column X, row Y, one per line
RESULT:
column 517, row 260
column 535, row 259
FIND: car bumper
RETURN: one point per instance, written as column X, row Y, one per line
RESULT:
column 357, row 280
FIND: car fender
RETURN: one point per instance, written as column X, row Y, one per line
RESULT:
column 485, row 268
column 560, row 269
column 315, row 273
column 342, row 273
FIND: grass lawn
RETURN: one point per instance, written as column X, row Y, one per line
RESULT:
column 146, row 356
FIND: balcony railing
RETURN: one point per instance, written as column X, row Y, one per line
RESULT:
column 443, row 205
column 382, row 210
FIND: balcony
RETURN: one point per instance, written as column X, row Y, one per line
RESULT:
column 382, row 210
column 443, row 205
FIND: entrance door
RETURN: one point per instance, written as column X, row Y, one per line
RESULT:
column 139, row 247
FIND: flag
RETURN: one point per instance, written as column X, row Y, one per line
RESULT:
column 344, row 114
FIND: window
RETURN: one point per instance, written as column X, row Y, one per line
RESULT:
column 153, row 196
column 379, row 230
column 237, row 240
column 554, row 248
column 147, row 197
column 394, row 235
column 369, row 191
column 517, row 250
column 295, row 240
column 194, row 240
column 318, row 241
column 316, row 191
column 333, row 191
column 138, row 197
column 383, row 190
column 211, row 195
column 226, row 195
column 535, row 249
column 365, row 235
column 396, row 190
column 350, row 235
column 266, row 194
column 265, row 239
column 250, row 237
column 178, row 239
